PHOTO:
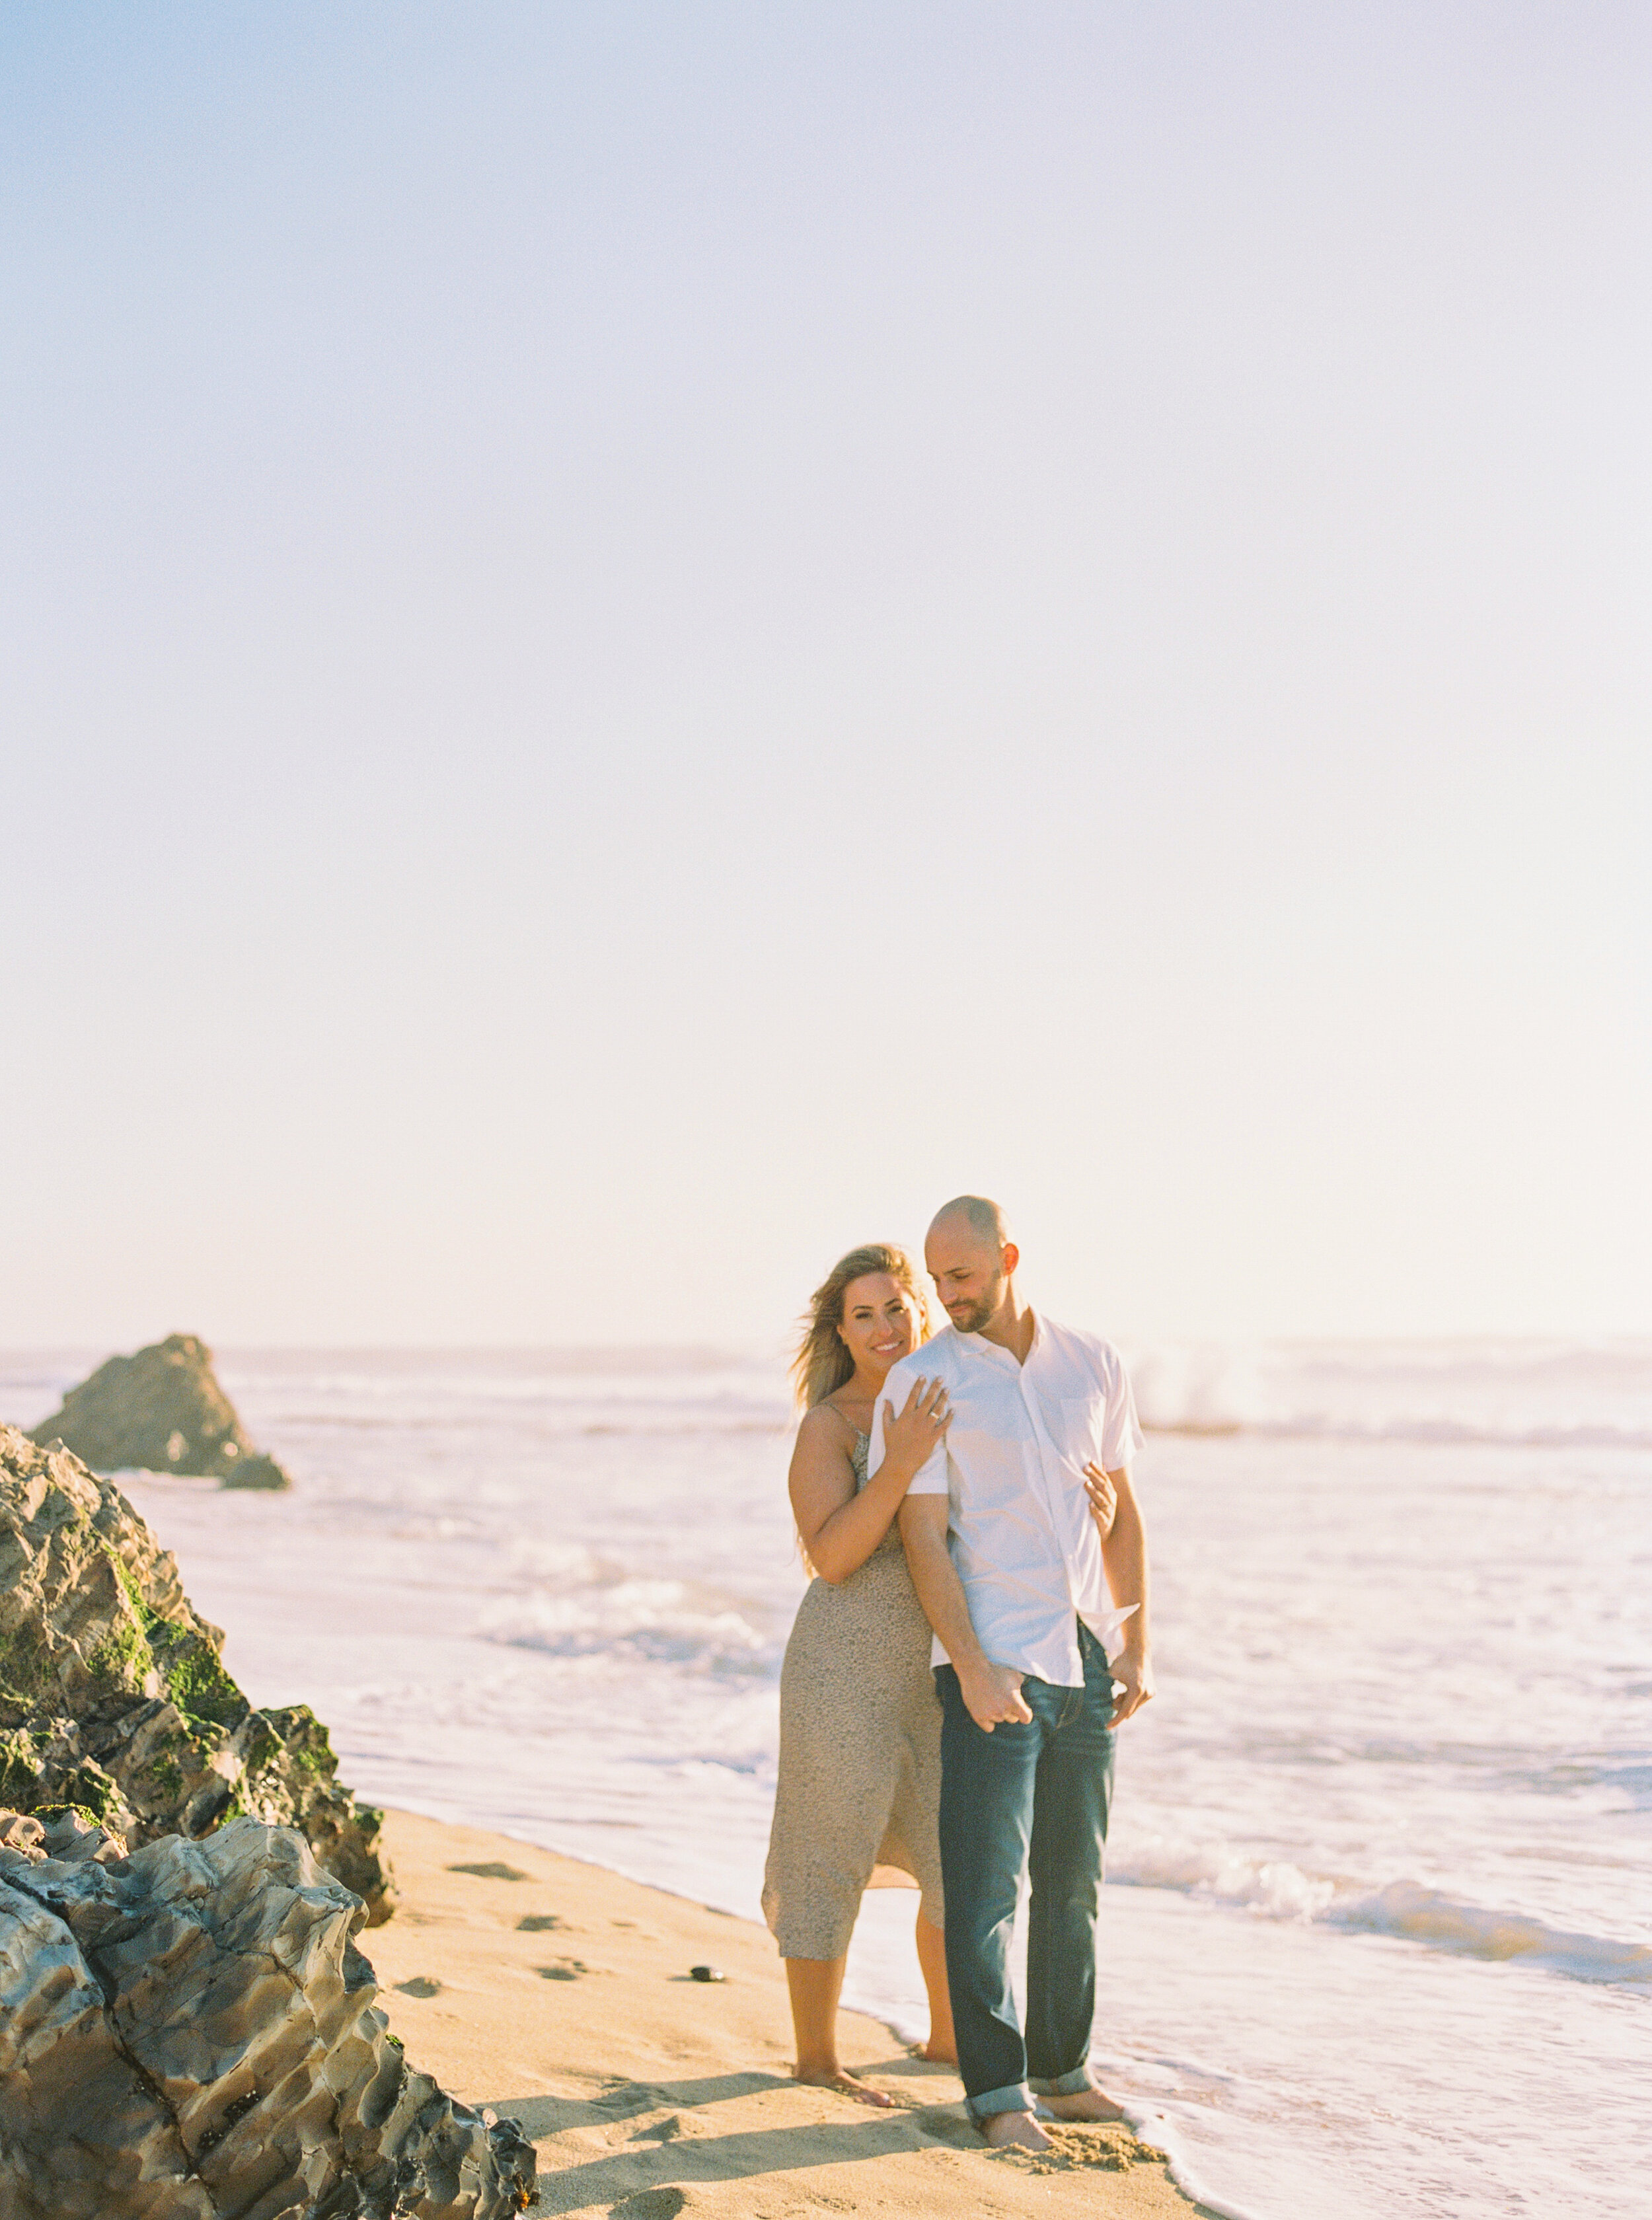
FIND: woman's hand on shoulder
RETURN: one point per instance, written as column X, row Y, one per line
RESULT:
column 912, row 1434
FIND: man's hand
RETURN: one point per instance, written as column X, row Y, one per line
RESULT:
column 1103, row 1499
column 1132, row 1687
column 993, row 1694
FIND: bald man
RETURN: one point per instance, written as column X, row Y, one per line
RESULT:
column 1028, row 1552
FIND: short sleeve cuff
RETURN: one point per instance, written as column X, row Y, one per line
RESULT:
column 931, row 1479
column 1120, row 1450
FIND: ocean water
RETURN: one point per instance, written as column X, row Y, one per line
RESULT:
column 1378, row 1935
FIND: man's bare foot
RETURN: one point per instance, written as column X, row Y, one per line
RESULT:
column 940, row 2054
column 1002, row 2130
column 847, row 2084
column 1085, row 2105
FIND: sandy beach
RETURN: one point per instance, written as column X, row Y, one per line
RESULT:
column 562, row 1995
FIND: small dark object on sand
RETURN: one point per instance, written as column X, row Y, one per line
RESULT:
column 707, row 1973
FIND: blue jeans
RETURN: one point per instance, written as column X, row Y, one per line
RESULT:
column 1028, row 1797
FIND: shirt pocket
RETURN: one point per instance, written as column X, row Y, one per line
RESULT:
column 1082, row 1418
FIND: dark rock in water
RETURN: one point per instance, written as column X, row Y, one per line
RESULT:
column 190, row 2033
column 113, row 1696
column 161, row 1411
column 256, row 1471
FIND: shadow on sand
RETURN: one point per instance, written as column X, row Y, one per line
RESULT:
column 684, row 2152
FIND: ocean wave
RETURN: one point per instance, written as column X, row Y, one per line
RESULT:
column 1277, row 1889
column 561, row 1420
column 1272, row 1886
column 1508, row 1394
column 1425, row 1431
column 1473, row 1930
column 563, row 1565
column 659, row 1622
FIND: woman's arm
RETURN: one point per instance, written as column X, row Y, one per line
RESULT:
column 1124, row 1557
column 839, row 1526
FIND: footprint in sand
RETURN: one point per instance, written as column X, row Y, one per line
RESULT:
column 539, row 1922
column 420, row 1985
column 663, row 2203
column 491, row 1869
column 565, row 1969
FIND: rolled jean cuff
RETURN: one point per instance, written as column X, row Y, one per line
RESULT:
column 1013, row 2098
column 1064, row 2085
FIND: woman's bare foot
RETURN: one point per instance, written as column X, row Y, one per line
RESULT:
column 1085, row 2105
column 940, row 2054
column 1002, row 2130
column 847, row 2084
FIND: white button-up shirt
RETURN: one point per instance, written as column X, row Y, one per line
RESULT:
column 1021, row 1533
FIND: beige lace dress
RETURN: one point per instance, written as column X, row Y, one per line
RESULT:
column 860, row 1752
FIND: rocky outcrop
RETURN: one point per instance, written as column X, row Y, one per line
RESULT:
column 189, row 2033
column 113, row 1694
column 161, row 1411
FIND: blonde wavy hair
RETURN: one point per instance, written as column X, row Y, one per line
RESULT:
column 822, row 1361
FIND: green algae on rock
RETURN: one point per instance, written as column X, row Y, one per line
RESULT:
column 113, row 1693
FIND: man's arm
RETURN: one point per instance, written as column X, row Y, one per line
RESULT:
column 993, row 1693
column 1124, row 1555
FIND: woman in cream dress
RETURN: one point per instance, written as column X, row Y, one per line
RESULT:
column 860, row 1758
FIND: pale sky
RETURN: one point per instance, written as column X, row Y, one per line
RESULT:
column 635, row 641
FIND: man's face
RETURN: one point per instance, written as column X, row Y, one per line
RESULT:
column 968, row 1273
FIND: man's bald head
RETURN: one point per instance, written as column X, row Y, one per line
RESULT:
column 985, row 1219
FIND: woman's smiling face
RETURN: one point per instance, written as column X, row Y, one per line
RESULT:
column 880, row 1321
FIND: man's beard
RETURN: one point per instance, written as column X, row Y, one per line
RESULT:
column 972, row 1317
